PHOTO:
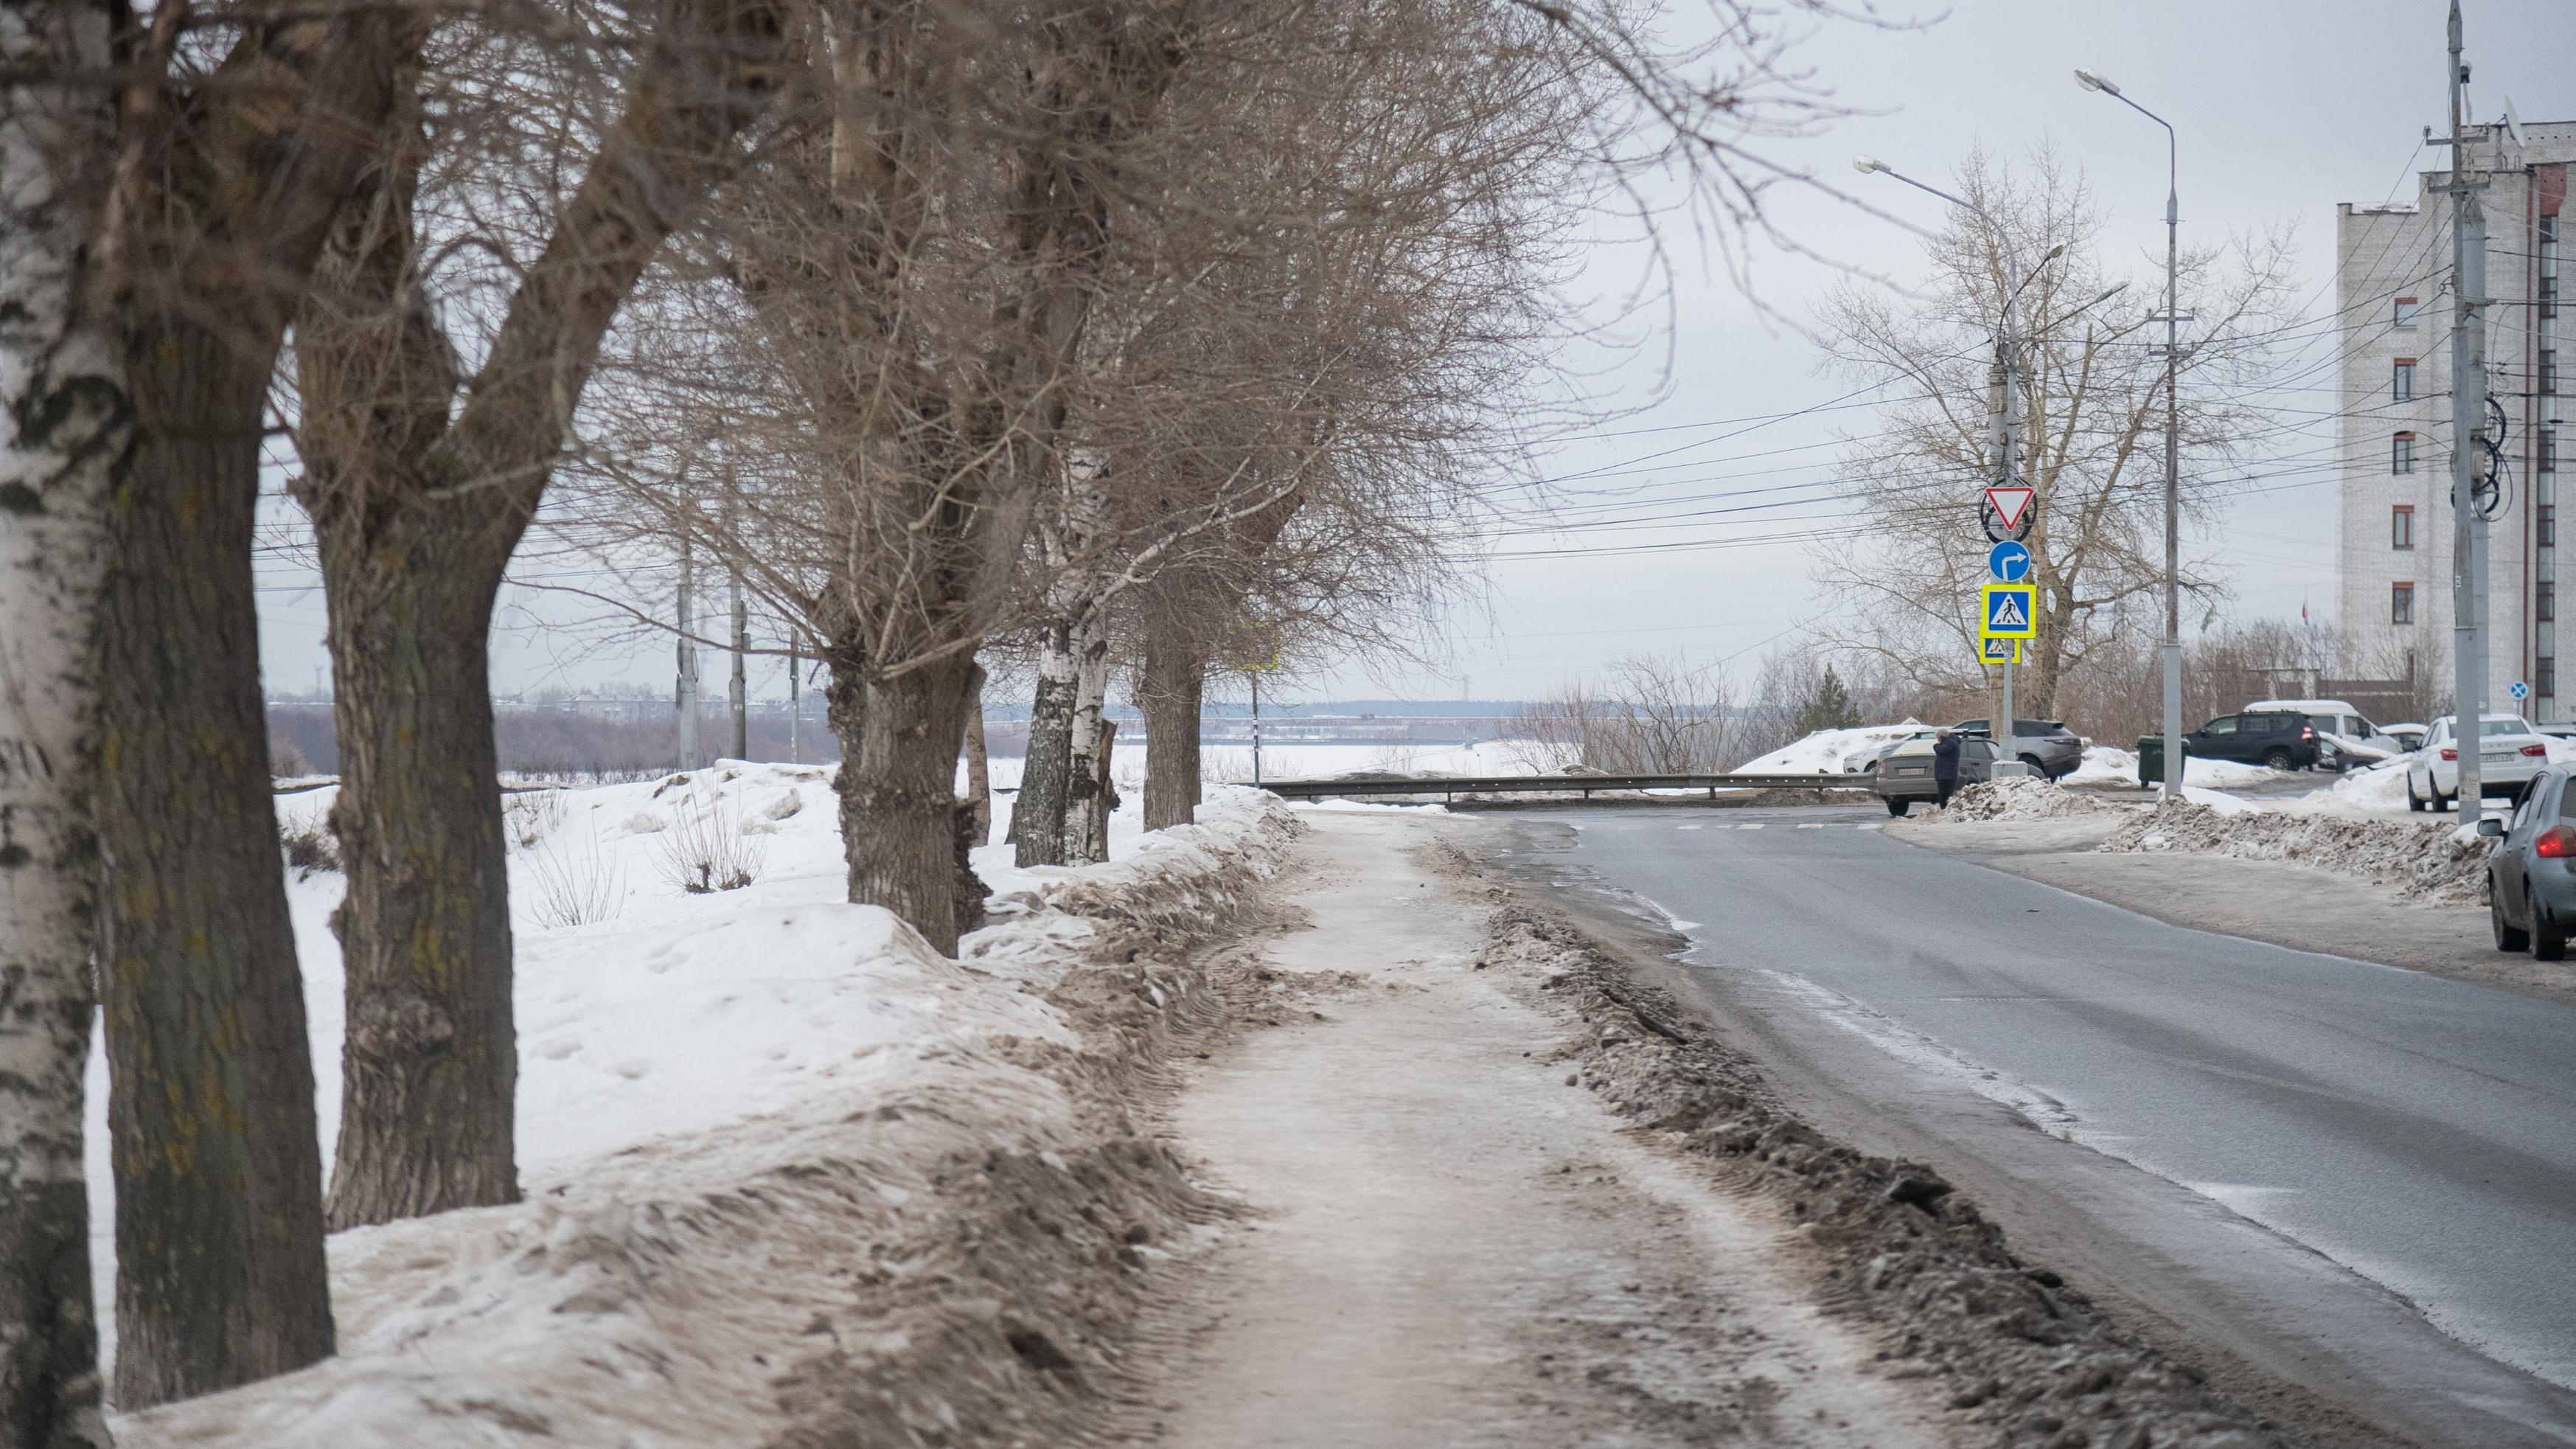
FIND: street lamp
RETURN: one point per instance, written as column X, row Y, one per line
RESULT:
column 2096, row 81
column 2004, row 414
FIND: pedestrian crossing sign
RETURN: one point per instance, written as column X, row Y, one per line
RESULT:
column 2011, row 611
column 1995, row 649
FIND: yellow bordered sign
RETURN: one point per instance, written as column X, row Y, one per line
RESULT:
column 1996, row 649
column 2009, row 611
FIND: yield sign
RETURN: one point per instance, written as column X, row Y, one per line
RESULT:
column 2010, row 505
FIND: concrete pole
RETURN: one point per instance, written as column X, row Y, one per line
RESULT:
column 2173, row 468
column 685, row 698
column 1256, row 727
column 737, row 692
column 2468, row 419
column 795, row 708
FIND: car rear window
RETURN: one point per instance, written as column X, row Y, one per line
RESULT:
column 2491, row 728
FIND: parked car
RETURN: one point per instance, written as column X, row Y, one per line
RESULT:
column 2509, row 756
column 1904, row 774
column 2046, row 745
column 2277, row 739
column 1862, row 764
column 2531, row 878
column 2344, row 737
column 2409, row 737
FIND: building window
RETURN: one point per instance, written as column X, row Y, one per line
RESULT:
column 2401, row 454
column 2548, row 450
column 2549, row 525
column 2548, row 372
column 2549, row 266
column 2544, row 677
column 2401, row 526
column 2402, row 387
column 2407, row 307
column 2544, row 602
column 2401, row 603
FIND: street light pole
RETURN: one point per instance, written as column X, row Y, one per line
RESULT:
column 2172, row 653
column 2004, row 414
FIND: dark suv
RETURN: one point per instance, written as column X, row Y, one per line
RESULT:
column 2274, row 738
column 2047, row 745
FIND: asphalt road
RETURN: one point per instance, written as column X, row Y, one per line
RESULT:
column 2418, row 1132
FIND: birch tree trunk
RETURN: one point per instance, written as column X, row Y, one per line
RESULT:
column 979, row 768
column 67, row 423
column 1169, row 688
column 1046, row 768
column 973, row 818
column 1086, row 801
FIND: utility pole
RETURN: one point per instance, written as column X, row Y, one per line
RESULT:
column 2468, row 421
column 736, row 693
column 795, row 707
column 2000, row 409
column 685, row 697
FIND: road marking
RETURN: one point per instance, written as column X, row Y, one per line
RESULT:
column 1869, row 827
column 1811, row 825
column 1754, row 826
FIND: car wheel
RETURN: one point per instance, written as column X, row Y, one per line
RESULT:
column 1897, row 805
column 2414, row 801
column 2276, row 760
column 2548, row 939
column 2032, row 764
column 2508, row 937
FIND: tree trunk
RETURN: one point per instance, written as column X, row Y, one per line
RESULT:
column 1086, row 804
column 1046, row 784
column 979, row 768
column 66, row 422
column 974, row 814
column 898, row 789
column 220, row 1275
column 1168, row 689
column 1105, row 790
column 430, row 1064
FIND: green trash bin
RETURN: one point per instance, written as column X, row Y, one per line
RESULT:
column 2151, row 761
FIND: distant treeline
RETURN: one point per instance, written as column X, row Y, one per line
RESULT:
column 580, row 745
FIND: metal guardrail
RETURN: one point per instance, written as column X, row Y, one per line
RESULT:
column 1449, row 788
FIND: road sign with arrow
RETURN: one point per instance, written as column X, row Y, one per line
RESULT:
column 2009, row 562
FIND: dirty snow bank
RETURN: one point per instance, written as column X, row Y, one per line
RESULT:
column 2426, row 860
column 780, row 1158
column 2020, row 798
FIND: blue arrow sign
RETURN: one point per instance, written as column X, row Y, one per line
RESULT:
column 2009, row 562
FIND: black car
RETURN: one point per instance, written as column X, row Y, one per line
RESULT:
column 2273, row 738
column 2046, row 745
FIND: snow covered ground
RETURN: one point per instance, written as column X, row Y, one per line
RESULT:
column 676, row 1050
column 1828, row 752
column 2110, row 765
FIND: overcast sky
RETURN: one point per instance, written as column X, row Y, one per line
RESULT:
column 2284, row 107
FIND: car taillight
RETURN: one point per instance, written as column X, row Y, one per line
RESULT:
column 2556, row 843
column 2535, row 751
column 2307, row 732
column 2450, row 754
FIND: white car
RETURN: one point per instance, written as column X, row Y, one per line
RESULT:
column 2510, row 752
column 2344, row 737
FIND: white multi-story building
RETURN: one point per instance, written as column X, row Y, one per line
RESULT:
column 2394, row 416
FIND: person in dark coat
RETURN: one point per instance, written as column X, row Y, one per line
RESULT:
column 1945, row 767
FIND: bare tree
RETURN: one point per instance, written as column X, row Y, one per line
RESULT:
column 63, row 396
column 420, row 482
column 240, row 133
column 2092, row 422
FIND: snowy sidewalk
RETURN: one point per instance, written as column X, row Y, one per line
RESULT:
column 1455, row 1247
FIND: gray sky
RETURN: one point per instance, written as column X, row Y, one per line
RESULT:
column 2284, row 107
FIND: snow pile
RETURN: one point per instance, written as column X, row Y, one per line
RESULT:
column 2111, row 765
column 2426, row 860
column 2380, row 790
column 2021, row 798
column 1829, row 752
column 750, row 1122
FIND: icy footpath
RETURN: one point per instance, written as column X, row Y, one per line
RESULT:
column 762, row 1133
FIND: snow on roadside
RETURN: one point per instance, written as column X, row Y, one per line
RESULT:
column 1828, row 752
column 2426, row 860
column 741, row 1086
column 2021, row 798
column 2111, row 765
